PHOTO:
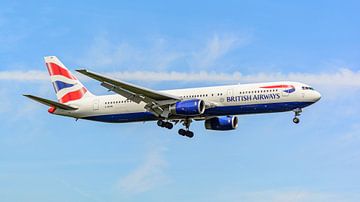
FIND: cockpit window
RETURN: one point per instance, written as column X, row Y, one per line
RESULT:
column 307, row 88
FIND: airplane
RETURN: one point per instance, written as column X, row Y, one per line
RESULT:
column 217, row 106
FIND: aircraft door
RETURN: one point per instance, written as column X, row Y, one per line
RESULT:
column 230, row 92
column 96, row 105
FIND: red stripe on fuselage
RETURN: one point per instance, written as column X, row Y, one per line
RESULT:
column 55, row 69
column 75, row 95
column 279, row 86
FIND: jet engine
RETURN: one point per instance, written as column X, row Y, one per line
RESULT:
column 188, row 107
column 222, row 123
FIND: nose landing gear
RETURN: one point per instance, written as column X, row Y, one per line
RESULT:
column 297, row 111
column 296, row 120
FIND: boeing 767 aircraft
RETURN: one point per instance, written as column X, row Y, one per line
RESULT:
column 217, row 106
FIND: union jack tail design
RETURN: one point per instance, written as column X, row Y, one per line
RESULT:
column 67, row 87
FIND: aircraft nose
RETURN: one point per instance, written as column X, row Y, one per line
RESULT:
column 316, row 96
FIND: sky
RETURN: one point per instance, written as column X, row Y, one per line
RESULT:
column 164, row 45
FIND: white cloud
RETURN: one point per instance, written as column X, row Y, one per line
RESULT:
column 31, row 75
column 353, row 135
column 76, row 189
column 103, row 53
column 342, row 78
column 286, row 195
column 149, row 175
column 217, row 47
column 160, row 53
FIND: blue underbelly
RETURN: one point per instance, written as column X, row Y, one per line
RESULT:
column 216, row 111
column 255, row 108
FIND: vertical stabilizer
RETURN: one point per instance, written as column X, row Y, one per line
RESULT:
column 67, row 87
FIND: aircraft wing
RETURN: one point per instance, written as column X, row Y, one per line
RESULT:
column 154, row 100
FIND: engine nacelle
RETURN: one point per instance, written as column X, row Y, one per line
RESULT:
column 188, row 107
column 222, row 123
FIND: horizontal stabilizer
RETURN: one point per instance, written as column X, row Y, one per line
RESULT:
column 50, row 103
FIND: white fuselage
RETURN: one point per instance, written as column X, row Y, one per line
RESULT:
column 224, row 100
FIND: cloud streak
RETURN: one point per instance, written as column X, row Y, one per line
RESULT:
column 162, row 52
column 76, row 189
column 147, row 176
column 30, row 75
column 103, row 53
column 284, row 196
column 217, row 47
column 342, row 78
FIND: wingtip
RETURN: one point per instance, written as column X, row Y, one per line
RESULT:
column 81, row 70
column 29, row 96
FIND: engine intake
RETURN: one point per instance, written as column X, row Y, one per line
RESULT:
column 222, row 123
column 188, row 107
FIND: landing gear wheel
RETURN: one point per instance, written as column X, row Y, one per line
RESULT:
column 186, row 133
column 182, row 132
column 296, row 120
column 189, row 134
column 168, row 125
column 165, row 124
column 160, row 123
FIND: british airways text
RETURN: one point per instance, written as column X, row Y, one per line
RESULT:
column 245, row 98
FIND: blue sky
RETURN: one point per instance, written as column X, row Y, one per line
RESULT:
column 173, row 45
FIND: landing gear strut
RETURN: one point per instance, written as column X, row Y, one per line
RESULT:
column 165, row 124
column 186, row 132
column 298, row 111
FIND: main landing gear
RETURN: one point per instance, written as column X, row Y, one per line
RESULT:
column 183, row 132
column 165, row 124
column 298, row 111
column 186, row 132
